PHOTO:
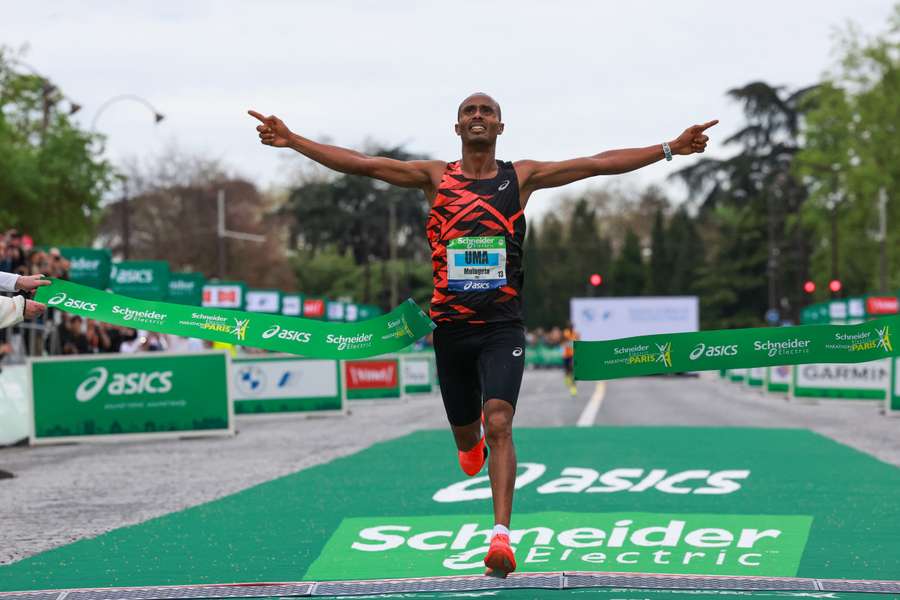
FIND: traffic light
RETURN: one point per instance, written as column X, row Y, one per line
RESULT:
column 596, row 280
column 834, row 285
column 809, row 287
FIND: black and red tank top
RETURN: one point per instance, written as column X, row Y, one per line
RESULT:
column 476, row 228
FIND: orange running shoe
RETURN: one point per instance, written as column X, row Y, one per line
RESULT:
column 500, row 560
column 472, row 460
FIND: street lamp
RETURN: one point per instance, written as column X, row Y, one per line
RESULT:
column 50, row 95
column 157, row 117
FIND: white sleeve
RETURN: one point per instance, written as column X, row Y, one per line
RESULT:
column 8, row 281
column 12, row 311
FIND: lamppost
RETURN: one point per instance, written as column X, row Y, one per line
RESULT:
column 50, row 96
column 157, row 117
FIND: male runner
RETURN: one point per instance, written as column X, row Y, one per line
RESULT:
column 476, row 229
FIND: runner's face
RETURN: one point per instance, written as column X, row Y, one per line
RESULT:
column 478, row 121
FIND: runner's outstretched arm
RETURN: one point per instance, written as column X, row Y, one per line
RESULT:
column 423, row 174
column 535, row 175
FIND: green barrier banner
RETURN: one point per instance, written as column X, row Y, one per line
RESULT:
column 778, row 379
column 736, row 349
column 186, row 288
column 155, row 394
column 88, row 266
column 147, row 279
column 388, row 333
column 892, row 402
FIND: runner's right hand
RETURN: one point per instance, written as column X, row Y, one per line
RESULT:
column 273, row 131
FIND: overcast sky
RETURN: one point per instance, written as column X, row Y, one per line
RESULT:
column 573, row 78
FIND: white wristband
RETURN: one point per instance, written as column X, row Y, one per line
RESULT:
column 667, row 151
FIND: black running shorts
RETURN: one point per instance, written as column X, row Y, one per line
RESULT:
column 476, row 363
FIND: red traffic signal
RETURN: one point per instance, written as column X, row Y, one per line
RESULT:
column 596, row 279
column 809, row 287
column 834, row 285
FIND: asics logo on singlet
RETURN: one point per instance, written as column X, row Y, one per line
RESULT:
column 503, row 185
column 517, row 351
column 477, row 285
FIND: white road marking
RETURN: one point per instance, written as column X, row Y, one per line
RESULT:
column 589, row 414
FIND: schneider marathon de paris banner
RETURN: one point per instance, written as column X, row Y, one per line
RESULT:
column 735, row 349
column 387, row 333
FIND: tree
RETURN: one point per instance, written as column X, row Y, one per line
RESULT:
column 851, row 159
column 172, row 214
column 760, row 179
column 628, row 269
column 352, row 213
column 686, row 255
column 45, row 160
column 732, row 294
column 533, row 290
column 659, row 273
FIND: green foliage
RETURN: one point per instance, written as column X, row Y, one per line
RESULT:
column 661, row 264
column 334, row 274
column 51, row 175
column 851, row 155
column 760, row 184
column 732, row 292
column 685, row 254
column 628, row 274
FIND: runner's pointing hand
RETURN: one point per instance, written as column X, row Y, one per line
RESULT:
column 693, row 139
column 273, row 131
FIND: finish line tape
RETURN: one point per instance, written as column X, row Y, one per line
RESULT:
column 735, row 349
column 307, row 337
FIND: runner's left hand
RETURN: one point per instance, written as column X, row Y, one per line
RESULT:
column 693, row 140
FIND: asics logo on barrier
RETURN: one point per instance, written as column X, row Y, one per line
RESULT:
column 286, row 334
column 712, row 351
column 63, row 299
column 91, row 386
column 477, row 285
column 123, row 384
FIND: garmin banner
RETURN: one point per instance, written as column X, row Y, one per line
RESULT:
column 867, row 381
column 388, row 333
column 736, row 348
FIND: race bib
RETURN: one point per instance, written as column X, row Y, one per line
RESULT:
column 476, row 264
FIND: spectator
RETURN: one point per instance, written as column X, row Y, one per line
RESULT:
column 71, row 335
column 118, row 335
column 59, row 266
